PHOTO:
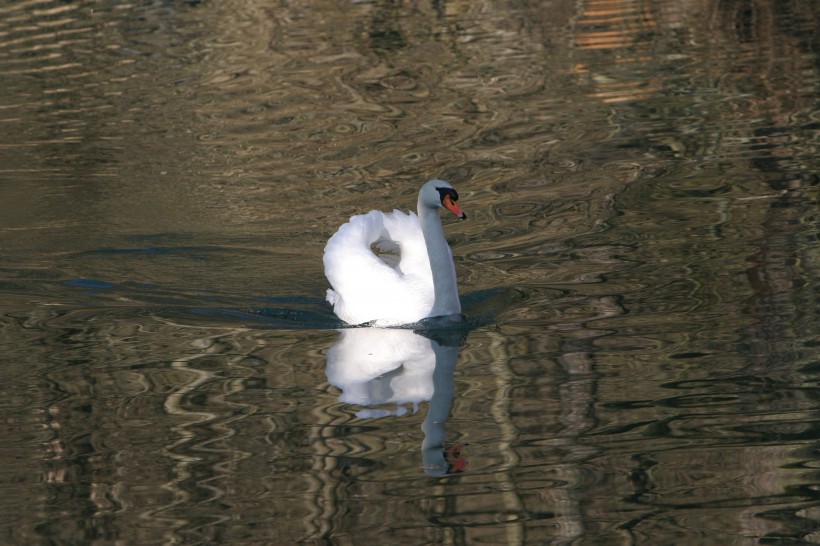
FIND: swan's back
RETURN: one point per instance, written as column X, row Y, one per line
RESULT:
column 396, row 288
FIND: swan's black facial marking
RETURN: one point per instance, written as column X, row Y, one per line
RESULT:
column 443, row 192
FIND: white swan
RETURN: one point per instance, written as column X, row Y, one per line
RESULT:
column 395, row 268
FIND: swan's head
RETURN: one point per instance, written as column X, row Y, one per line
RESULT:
column 440, row 194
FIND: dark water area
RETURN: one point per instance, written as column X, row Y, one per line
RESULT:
column 639, row 273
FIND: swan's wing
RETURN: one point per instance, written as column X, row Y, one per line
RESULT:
column 365, row 287
column 404, row 230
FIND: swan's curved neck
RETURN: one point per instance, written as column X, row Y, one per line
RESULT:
column 441, row 262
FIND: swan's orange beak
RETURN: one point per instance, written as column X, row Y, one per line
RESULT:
column 453, row 207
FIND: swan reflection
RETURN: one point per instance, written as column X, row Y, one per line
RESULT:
column 374, row 367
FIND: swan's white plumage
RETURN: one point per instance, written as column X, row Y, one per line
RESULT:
column 365, row 287
column 368, row 288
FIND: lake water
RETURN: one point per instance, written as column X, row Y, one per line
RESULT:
column 639, row 272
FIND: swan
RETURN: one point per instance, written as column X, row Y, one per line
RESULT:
column 389, row 269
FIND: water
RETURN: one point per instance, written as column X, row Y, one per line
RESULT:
column 640, row 272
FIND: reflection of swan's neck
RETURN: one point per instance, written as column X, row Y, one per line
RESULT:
column 444, row 389
column 441, row 263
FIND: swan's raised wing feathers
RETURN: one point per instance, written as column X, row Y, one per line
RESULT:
column 366, row 287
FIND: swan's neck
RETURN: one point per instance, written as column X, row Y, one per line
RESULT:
column 441, row 262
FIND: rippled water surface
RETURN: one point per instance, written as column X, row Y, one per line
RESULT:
column 639, row 271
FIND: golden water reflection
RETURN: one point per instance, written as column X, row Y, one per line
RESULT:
column 641, row 178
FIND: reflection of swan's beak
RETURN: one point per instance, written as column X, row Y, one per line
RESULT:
column 453, row 207
column 454, row 456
